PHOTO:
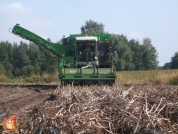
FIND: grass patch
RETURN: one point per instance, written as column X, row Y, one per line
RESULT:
column 148, row 77
column 169, row 77
column 44, row 78
column 50, row 78
column 3, row 78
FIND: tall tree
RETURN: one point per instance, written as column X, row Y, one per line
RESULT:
column 35, row 57
column 174, row 61
column 124, row 53
column 149, row 55
column 136, row 48
column 49, row 62
column 167, row 65
column 6, row 50
column 92, row 27
column 21, row 60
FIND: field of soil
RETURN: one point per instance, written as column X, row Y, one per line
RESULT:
column 20, row 100
column 138, row 108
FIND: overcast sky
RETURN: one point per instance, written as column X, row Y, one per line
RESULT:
column 136, row 19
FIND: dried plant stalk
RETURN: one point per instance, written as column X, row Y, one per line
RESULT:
column 102, row 110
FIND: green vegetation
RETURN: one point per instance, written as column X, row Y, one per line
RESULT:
column 174, row 61
column 168, row 77
column 44, row 78
column 24, row 60
column 30, row 63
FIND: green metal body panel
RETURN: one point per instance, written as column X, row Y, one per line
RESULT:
column 102, row 72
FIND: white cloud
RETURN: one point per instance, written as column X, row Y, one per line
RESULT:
column 16, row 12
column 14, row 6
column 28, row 18
column 14, row 9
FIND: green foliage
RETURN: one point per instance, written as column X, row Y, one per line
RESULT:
column 92, row 27
column 32, row 79
column 124, row 53
column 21, row 59
column 3, row 77
column 24, row 60
column 48, row 63
column 131, row 55
column 36, row 57
column 6, row 57
column 167, row 66
column 8, row 66
column 149, row 55
column 27, row 70
column 2, row 71
column 17, row 60
column 174, row 61
column 136, row 48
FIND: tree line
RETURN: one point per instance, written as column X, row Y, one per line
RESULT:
column 26, row 59
column 130, row 54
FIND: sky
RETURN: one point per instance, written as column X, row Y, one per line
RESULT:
column 136, row 19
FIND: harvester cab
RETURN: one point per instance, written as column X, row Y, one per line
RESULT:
column 86, row 51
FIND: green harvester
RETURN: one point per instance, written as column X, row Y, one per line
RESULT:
column 83, row 58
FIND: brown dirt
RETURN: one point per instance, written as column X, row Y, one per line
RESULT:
column 19, row 100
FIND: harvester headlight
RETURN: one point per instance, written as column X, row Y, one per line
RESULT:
column 62, row 72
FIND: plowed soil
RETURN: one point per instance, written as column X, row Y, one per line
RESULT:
column 19, row 100
column 150, row 100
